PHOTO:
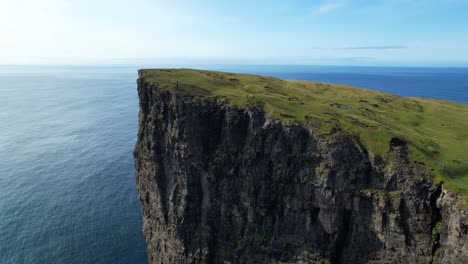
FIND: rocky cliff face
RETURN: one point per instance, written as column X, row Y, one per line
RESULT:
column 220, row 184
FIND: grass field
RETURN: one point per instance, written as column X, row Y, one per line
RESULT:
column 436, row 130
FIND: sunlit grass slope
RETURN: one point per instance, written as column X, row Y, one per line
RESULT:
column 436, row 130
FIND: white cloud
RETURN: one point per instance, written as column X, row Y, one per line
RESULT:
column 329, row 6
column 86, row 30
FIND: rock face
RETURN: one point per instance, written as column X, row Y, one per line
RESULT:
column 220, row 184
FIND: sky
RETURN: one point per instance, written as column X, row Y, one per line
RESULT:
column 302, row 32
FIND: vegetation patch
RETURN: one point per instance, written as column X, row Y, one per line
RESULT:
column 436, row 242
column 380, row 194
column 435, row 131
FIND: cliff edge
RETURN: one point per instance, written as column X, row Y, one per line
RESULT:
column 237, row 168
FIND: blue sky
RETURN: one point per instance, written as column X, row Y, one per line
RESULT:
column 317, row 32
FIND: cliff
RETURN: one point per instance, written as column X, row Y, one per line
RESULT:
column 227, row 180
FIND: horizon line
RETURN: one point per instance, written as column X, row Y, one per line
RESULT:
column 462, row 65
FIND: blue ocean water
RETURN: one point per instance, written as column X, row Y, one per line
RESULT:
column 67, row 190
column 440, row 83
column 67, row 193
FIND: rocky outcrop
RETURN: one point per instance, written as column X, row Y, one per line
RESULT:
column 221, row 184
column 452, row 231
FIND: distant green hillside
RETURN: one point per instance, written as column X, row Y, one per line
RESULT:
column 436, row 130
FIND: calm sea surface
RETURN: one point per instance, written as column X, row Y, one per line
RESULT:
column 67, row 192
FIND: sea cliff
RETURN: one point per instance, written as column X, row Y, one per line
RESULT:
column 222, row 182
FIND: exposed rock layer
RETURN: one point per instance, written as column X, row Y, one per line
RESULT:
column 219, row 184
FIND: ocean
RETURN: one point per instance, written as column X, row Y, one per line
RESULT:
column 67, row 190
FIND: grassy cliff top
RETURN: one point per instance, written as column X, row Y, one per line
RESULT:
column 436, row 130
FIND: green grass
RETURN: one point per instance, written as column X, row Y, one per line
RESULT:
column 436, row 130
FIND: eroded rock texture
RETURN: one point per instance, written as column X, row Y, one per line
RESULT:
column 219, row 184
